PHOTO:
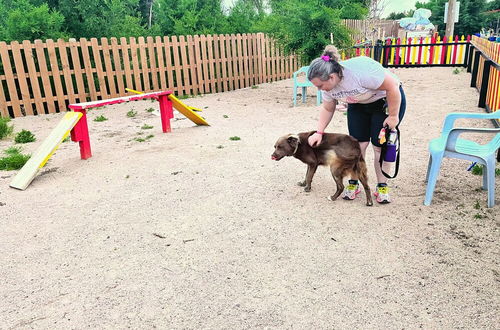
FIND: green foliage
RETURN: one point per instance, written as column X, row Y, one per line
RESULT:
column 28, row 22
column 100, row 118
column 146, row 126
column 478, row 169
column 395, row 16
column 242, row 17
column 14, row 159
column 470, row 20
column 131, row 113
column 109, row 18
column 234, row 138
column 189, row 17
column 5, row 128
column 304, row 28
column 24, row 137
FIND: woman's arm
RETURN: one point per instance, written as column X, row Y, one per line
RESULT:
column 325, row 116
column 391, row 87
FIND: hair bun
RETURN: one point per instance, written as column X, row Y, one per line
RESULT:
column 332, row 51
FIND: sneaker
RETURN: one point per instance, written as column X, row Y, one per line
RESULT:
column 351, row 191
column 382, row 194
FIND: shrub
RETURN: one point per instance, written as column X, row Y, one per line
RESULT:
column 14, row 160
column 5, row 128
column 24, row 137
column 100, row 118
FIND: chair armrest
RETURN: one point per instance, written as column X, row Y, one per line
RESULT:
column 455, row 132
column 451, row 117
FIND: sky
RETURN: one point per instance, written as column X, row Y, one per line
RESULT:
column 398, row 6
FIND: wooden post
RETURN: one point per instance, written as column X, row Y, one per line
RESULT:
column 484, row 84
column 450, row 19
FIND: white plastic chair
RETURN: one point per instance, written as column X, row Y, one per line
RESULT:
column 304, row 84
column 450, row 145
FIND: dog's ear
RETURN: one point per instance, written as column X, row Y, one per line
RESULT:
column 293, row 140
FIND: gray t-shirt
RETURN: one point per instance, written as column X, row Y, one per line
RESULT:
column 362, row 77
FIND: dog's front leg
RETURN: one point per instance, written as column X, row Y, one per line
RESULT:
column 311, row 169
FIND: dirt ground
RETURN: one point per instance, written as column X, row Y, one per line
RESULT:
column 192, row 230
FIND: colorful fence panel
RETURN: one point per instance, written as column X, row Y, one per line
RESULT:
column 44, row 77
column 416, row 52
column 485, row 67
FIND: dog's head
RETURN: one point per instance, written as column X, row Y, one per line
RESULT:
column 285, row 146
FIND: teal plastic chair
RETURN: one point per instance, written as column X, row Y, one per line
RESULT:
column 450, row 145
column 304, row 83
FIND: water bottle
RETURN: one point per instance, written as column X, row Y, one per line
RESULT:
column 390, row 155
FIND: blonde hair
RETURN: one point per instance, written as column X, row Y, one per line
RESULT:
column 333, row 52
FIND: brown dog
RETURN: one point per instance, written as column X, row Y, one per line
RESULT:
column 339, row 151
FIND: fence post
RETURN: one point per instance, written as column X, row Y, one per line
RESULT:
column 377, row 51
column 475, row 66
column 469, row 50
column 484, row 84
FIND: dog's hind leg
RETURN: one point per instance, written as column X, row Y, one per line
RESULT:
column 363, row 178
column 338, row 176
column 311, row 169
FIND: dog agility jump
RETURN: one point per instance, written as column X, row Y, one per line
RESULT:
column 75, row 123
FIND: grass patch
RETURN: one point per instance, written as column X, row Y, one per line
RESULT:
column 478, row 170
column 220, row 147
column 24, row 137
column 225, row 116
column 255, row 86
column 147, row 138
column 146, row 126
column 5, row 128
column 234, row 138
column 150, row 109
column 14, row 159
column 131, row 113
column 100, row 118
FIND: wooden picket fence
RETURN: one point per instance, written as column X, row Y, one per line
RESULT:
column 371, row 29
column 416, row 52
column 485, row 68
column 44, row 77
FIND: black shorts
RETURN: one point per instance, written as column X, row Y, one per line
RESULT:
column 365, row 120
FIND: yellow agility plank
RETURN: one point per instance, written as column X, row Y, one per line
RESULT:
column 183, row 108
column 187, row 111
column 45, row 150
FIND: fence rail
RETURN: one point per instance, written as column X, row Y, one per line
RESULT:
column 44, row 77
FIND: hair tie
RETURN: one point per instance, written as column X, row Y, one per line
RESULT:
column 325, row 58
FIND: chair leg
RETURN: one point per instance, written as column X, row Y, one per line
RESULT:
column 490, row 178
column 294, row 95
column 433, row 172
column 318, row 98
column 428, row 169
column 485, row 177
column 304, row 91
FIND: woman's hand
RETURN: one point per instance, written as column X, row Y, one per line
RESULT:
column 391, row 121
column 314, row 139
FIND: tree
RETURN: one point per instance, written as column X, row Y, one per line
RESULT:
column 106, row 18
column 28, row 22
column 304, row 27
column 470, row 16
column 242, row 17
column 188, row 17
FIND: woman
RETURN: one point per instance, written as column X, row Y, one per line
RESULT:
column 375, row 99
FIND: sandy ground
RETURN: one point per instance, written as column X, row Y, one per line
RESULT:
column 192, row 230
